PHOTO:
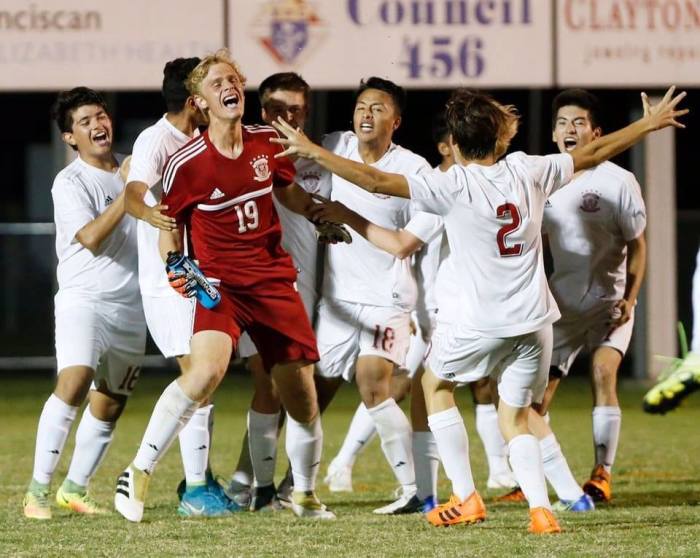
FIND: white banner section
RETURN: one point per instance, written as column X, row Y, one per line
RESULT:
column 52, row 45
column 628, row 43
column 416, row 43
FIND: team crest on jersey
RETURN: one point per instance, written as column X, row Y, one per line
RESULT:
column 590, row 201
column 261, row 167
column 288, row 29
column 311, row 181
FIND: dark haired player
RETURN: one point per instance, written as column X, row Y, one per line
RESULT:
column 100, row 329
column 595, row 228
column 492, row 211
column 168, row 315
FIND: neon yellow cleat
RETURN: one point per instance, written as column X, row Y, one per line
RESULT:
column 78, row 502
column 36, row 504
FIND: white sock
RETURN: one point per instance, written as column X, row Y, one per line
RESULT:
column 195, row 441
column 526, row 462
column 172, row 412
column 606, row 434
column 92, row 439
column 556, row 470
column 453, row 447
column 244, row 469
column 426, row 461
column 395, row 433
column 360, row 433
column 304, row 443
column 492, row 439
column 54, row 426
column 262, row 444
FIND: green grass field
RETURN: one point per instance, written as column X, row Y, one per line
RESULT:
column 655, row 511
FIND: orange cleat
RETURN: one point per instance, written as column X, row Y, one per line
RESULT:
column 543, row 522
column 455, row 512
column 599, row 486
column 514, row 496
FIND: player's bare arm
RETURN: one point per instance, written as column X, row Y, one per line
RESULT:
column 636, row 264
column 399, row 243
column 92, row 235
column 366, row 177
column 135, row 206
column 169, row 241
column 296, row 199
column 656, row 117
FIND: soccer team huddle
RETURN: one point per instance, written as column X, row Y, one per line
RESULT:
column 432, row 279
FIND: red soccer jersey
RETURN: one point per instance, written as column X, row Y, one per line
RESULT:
column 227, row 206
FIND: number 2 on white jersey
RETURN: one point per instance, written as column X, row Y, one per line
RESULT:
column 247, row 216
column 504, row 211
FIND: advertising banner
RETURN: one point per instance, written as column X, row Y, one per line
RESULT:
column 47, row 45
column 628, row 43
column 416, row 43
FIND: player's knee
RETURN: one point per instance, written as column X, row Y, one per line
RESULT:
column 73, row 384
column 604, row 376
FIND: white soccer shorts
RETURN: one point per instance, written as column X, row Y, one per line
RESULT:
column 170, row 321
column 520, row 365
column 110, row 338
column 572, row 334
column 246, row 348
column 348, row 330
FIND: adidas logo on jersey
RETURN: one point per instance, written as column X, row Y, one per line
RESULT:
column 547, row 204
column 216, row 194
column 108, row 200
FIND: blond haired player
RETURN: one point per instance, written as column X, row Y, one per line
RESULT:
column 220, row 186
column 100, row 328
column 493, row 214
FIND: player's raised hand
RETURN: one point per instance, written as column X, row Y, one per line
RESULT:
column 294, row 141
column 665, row 113
column 154, row 216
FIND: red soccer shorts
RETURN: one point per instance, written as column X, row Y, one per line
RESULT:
column 273, row 315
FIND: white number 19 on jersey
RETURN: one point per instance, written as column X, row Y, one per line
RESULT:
column 247, row 216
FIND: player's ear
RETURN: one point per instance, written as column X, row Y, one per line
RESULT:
column 444, row 149
column 597, row 132
column 397, row 123
column 69, row 139
column 200, row 102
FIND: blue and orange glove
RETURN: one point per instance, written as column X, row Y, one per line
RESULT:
column 183, row 282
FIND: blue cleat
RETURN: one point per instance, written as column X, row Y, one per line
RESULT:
column 429, row 503
column 200, row 501
column 583, row 504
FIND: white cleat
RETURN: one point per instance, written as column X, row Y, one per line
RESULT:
column 504, row 480
column 307, row 505
column 130, row 494
column 398, row 505
column 339, row 479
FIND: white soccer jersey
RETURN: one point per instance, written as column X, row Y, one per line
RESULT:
column 360, row 272
column 151, row 150
column 298, row 233
column 80, row 194
column 493, row 220
column 589, row 223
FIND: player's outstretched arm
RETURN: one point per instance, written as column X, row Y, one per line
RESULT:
column 373, row 180
column 400, row 244
column 655, row 117
column 135, row 206
column 295, row 198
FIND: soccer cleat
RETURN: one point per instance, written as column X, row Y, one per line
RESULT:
column 36, row 504
column 675, row 384
column 455, row 512
column 543, row 522
column 265, row 499
column 501, row 480
column 307, row 505
column 339, row 478
column 79, row 502
column 203, row 501
column 130, row 495
column 514, row 496
column 583, row 504
column 599, row 486
column 407, row 501
column 429, row 503
column 239, row 493
column 285, row 489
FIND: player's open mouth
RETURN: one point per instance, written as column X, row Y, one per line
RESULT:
column 230, row 101
column 101, row 138
column 366, row 127
column 570, row 144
